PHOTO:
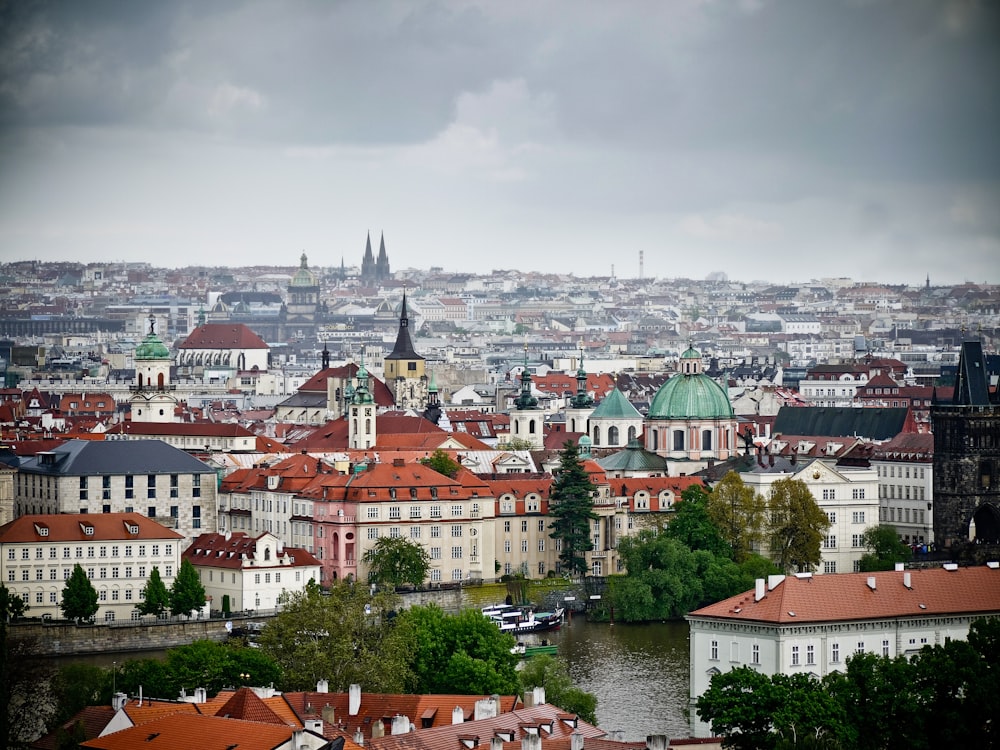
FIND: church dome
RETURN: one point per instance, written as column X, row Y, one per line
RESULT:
column 694, row 396
column 152, row 348
column 303, row 276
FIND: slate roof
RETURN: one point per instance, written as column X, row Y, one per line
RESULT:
column 223, row 336
column 115, row 457
column 875, row 423
column 839, row 597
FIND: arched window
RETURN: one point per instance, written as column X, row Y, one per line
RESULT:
column 706, row 440
column 159, row 381
column 612, row 436
column 531, row 426
column 368, row 427
column 517, row 427
column 597, row 435
column 631, row 434
column 654, row 442
column 678, row 440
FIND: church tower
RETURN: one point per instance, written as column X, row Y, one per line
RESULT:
column 405, row 371
column 527, row 421
column 152, row 399
column 361, row 427
column 302, row 302
column 967, row 457
column 580, row 406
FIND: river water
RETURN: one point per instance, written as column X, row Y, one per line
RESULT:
column 639, row 674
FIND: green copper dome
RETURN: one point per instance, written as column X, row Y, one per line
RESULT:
column 152, row 348
column 690, row 397
column 303, row 277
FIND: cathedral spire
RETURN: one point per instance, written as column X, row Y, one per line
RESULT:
column 404, row 345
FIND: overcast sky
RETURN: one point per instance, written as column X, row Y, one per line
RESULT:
column 767, row 139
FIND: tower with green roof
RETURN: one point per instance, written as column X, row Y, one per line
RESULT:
column 302, row 302
column 362, row 430
column 152, row 394
column 580, row 405
column 615, row 421
column 527, row 421
column 690, row 420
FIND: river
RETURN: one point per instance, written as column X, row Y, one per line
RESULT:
column 639, row 674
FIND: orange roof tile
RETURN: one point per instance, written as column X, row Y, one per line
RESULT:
column 838, row 597
column 70, row 527
column 195, row 732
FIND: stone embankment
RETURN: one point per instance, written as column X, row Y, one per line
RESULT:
column 68, row 639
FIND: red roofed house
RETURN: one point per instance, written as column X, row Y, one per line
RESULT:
column 117, row 551
column 253, row 573
column 223, row 351
column 812, row 624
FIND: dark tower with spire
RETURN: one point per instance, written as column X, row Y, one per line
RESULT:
column 382, row 262
column 375, row 271
column 368, row 263
column 967, row 457
column 405, row 370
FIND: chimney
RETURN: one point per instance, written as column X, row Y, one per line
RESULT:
column 322, row 686
column 457, row 715
column 531, row 742
column 539, row 695
column 119, row 701
column 378, row 729
column 296, row 743
column 496, row 743
column 656, row 742
column 576, row 741
column 354, row 699
column 486, row 708
column 359, row 738
column 400, row 724
column 329, row 714
column 314, row 725
column 758, row 589
column 770, row 462
column 871, row 582
column 529, row 698
column 900, row 567
column 200, row 695
column 906, row 580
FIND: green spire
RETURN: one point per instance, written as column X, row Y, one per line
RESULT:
column 525, row 400
column 361, row 393
column 582, row 399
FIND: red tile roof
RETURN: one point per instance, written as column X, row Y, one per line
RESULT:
column 228, row 551
column 848, row 597
column 223, row 336
column 69, row 527
column 194, row 732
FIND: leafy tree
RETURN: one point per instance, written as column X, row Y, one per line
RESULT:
column 187, row 594
column 663, row 580
column 691, row 525
column 394, row 561
column 885, row 549
column 739, row 513
column 79, row 597
column 155, row 597
column 571, row 508
column 76, row 686
column 516, row 444
column 12, row 606
column 552, row 674
column 463, row 654
column 797, row 526
column 442, row 463
column 346, row 635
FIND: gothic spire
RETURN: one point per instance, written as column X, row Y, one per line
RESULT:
column 404, row 346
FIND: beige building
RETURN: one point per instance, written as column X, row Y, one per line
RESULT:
column 116, row 550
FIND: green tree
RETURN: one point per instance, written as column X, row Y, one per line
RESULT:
column 345, row 635
column 12, row 605
column 442, row 463
column 76, row 686
column 551, row 673
column 691, row 525
column 884, row 549
column 571, row 508
column 79, row 597
column 155, row 596
column 393, row 561
column 739, row 513
column 663, row 580
column 187, row 594
column 464, row 653
column 797, row 526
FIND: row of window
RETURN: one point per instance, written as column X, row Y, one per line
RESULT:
column 91, row 550
column 796, row 651
column 416, row 511
column 830, row 541
column 857, row 516
column 902, row 492
column 903, row 515
column 92, row 573
column 903, row 472
column 416, row 531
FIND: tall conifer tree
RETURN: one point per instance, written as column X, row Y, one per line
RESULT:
column 571, row 508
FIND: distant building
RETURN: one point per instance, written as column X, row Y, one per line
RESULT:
column 375, row 271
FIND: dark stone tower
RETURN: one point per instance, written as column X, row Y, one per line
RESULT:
column 375, row 271
column 967, row 457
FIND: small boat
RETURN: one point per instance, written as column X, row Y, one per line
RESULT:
column 519, row 620
column 526, row 651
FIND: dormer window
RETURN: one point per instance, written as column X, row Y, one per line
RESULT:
column 87, row 530
column 41, row 530
column 132, row 528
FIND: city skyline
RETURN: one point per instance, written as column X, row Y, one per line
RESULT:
column 762, row 139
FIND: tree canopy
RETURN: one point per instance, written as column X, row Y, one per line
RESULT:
column 692, row 526
column 345, row 635
column 739, row 513
column 797, row 526
column 551, row 673
column 463, row 654
column 79, row 597
column 187, row 594
column 393, row 561
column 884, row 549
column 155, row 596
column 571, row 509
column 442, row 463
